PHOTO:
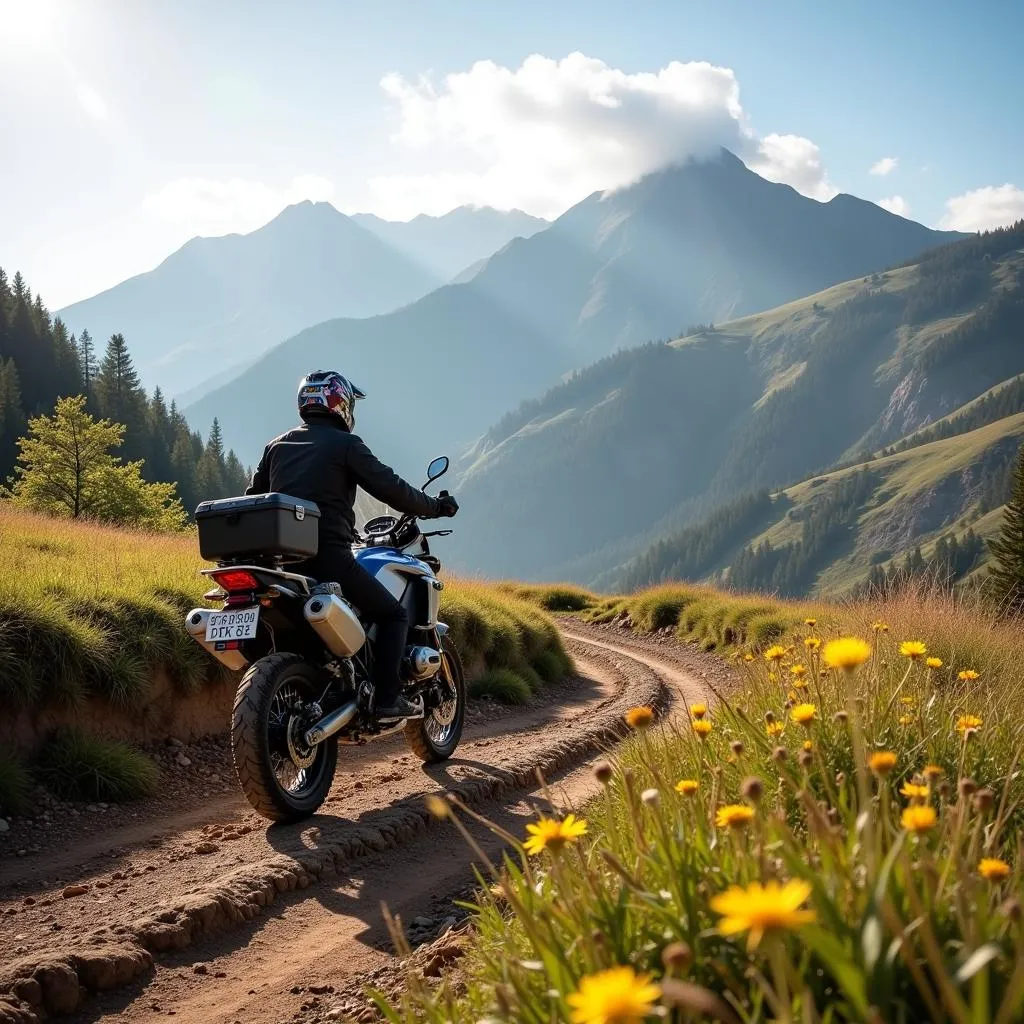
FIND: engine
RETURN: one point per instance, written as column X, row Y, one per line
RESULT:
column 421, row 662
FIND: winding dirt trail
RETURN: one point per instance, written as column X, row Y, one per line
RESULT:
column 211, row 916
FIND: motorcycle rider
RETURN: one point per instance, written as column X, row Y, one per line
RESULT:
column 323, row 461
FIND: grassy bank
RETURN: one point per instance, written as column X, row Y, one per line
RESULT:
column 839, row 841
column 92, row 612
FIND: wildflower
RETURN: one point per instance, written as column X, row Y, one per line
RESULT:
column 880, row 627
column 967, row 787
column 918, row 819
column 779, row 754
column 760, row 908
column 616, row 996
column 847, row 653
column 968, row 675
column 984, row 799
column 915, row 650
column 792, row 697
column 698, row 710
column 687, row 787
column 702, row 727
column 639, row 718
column 603, row 772
column 907, row 701
column 804, row 714
column 798, row 672
column 931, row 772
column 906, row 719
column 733, row 816
column 812, row 643
column 933, row 662
column 774, row 728
column 882, row 762
column 752, row 789
column 736, row 747
column 800, row 683
column 550, row 834
column 968, row 723
column 912, row 791
column 810, row 622
column 992, row 869
column 677, row 955
column 775, row 654
column 748, row 657
column 808, row 745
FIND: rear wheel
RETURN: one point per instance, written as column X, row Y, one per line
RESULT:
column 435, row 736
column 281, row 777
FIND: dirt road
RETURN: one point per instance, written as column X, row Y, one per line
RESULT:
column 209, row 915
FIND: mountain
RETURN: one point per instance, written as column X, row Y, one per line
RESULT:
column 684, row 245
column 217, row 303
column 448, row 245
column 632, row 451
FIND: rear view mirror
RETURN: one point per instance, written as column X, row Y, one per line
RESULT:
column 437, row 468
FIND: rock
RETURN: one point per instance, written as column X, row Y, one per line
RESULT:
column 60, row 988
column 4, row 827
column 173, row 741
column 206, row 847
column 321, row 990
column 74, row 890
column 184, row 761
column 200, row 969
column 28, row 990
column 423, row 922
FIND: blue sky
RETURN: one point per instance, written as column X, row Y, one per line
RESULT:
column 129, row 127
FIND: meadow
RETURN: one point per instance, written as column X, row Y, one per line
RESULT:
column 839, row 840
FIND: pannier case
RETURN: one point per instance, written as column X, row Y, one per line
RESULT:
column 267, row 525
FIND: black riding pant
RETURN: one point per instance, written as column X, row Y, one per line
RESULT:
column 374, row 603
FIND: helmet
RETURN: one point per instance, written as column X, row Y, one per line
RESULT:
column 326, row 392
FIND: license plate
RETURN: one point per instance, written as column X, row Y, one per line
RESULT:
column 233, row 625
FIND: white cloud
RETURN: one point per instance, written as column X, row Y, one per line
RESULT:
column 884, row 166
column 207, row 206
column 544, row 135
column 895, row 204
column 993, row 206
column 91, row 101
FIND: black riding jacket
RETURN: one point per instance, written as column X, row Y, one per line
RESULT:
column 322, row 462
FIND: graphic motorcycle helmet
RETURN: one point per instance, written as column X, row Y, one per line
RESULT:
column 327, row 392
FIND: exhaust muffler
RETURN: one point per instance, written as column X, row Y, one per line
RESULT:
column 331, row 723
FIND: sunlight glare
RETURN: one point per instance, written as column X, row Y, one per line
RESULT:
column 27, row 25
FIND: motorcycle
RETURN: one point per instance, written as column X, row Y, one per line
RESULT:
column 307, row 653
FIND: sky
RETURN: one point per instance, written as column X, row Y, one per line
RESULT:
column 130, row 126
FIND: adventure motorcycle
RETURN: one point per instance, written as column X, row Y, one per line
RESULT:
column 308, row 655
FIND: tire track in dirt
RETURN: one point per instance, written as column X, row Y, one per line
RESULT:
column 248, row 870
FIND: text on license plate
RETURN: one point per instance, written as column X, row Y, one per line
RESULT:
column 234, row 625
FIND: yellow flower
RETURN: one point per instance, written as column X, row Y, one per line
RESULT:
column 774, row 728
column 698, row 710
column 702, row 727
column 847, row 653
column 880, row 627
column 808, row 745
column 616, row 996
column 550, row 834
column 804, row 714
column 969, row 675
column 912, row 791
column 932, row 772
column 933, row 662
column 968, row 722
column 810, row 622
column 775, row 654
column 906, row 719
column 761, row 908
column 748, row 657
column 915, row 650
column 918, row 819
column 992, row 869
column 800, row 684
column 639, row 718
column 812, row 643
column 687, row 786
column 798, row 672
column 907, row 701
column 733, row 816
column 882, row 762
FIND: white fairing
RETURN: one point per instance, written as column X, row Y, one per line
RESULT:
column 393, row 581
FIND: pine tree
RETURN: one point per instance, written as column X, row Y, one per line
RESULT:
column 210, row 477
column 120, row 396
column 12, row 418
column 1007, row 572
column 89, row 369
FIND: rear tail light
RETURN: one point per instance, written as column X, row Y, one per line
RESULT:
column 236, row 581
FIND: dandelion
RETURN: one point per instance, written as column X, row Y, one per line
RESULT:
column 932, row 772
column 846, row 653
column 918, row 819
column 912, row 791
column 798, row 672
column 804, row 714
column 800, row 684
column 774, row 728
column 882, row 762
column 775, row 654
column 808, row 745
column 702, row 727
column 915, row 650
column 880, row 627
column 968, row 675
column 810, row 622
column 933, row 662
column 616, row 996
column 812, row 643
column 734, row 816
column 687, row 787
column 992, row 869
column 761, row 908
column 549, row 834
column 639, row 718
column 906, row 719
column 698, row 710
column 968, row 723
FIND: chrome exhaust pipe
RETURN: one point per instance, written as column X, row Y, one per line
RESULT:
column 330, row 724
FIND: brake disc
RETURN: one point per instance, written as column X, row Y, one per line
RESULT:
column 300, row 755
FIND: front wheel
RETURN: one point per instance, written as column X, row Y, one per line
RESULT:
column 434, row 737
column 281, row 777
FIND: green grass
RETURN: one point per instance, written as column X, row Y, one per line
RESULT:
column 15, row 785
column 503, row 685
column 77, row 766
